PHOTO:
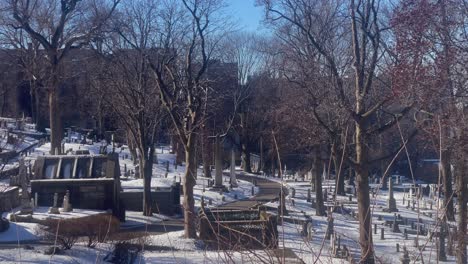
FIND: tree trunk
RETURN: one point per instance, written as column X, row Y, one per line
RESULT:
column 205, row 155
column 54, row 116
column 340, row 188
column 362, row 179
column 316, row 170
column 189, row 201
column 462, row 190
column 447, row 184
column 146, row 170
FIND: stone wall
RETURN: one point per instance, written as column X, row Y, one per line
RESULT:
column 84, row 193
column 164, row 201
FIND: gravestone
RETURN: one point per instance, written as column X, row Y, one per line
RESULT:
column 391, row 200
column 66, row 206
column 25, row 199
column 395, row 227
column 54, row 209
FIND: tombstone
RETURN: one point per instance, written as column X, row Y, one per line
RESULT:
column 391, row 200
column 330, row 228
column 66, row 206
column 25, row 199
column 54, row 209
column 395, row 227
column 305, row 228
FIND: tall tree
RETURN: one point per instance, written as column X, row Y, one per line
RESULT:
column 58, row 26
column 189, row 34
column 355, row 25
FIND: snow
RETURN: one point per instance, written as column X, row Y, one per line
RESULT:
column 18, row 232
column 173, row 248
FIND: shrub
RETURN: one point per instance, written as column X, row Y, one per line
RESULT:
column 95, row 228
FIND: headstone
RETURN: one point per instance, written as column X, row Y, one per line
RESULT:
column 305, row 228
column 25, row 199
column 67, row 207
column 395, row 227
column 54, row 209
column 391, row 200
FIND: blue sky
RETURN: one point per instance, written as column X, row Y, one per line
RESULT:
column 246, row 13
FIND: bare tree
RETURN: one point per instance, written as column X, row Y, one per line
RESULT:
column 189, row 36
column 320, row 24
column 58, row 26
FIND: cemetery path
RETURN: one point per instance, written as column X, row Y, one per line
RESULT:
column 268, row 190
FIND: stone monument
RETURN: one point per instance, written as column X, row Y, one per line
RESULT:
column 25, row 199
column 391, row 200
column 54, row 209
column 66, row 206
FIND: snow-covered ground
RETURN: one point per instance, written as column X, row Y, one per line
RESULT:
column 171, row 248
